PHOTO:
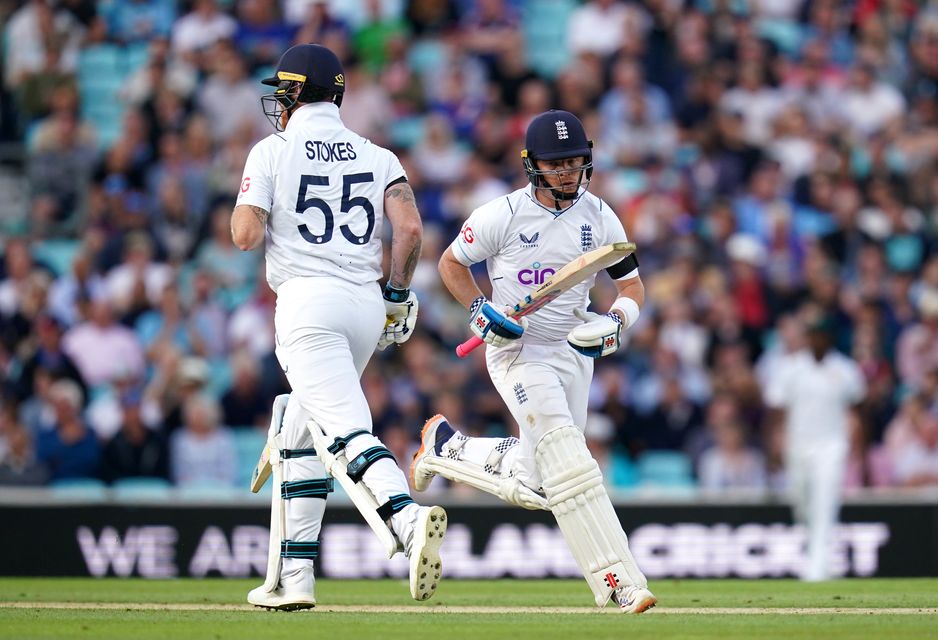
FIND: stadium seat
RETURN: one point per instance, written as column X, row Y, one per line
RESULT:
column 141, row 488
column 544, row 24
column 209, row 492
column 79, row 488
column 671, row 469
column 56, row 253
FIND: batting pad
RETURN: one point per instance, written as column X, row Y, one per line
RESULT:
column 575, row 493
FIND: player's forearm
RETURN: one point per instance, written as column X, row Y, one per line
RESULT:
column 248, row 224
column 405, row 253
column 406, row 234
column 458, row 279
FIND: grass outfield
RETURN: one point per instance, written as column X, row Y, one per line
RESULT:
column 477, row 610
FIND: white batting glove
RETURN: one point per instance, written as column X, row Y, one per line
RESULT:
column 400, row 306
column 494, row 326
column 598, row 336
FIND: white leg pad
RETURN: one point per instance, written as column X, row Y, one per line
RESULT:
column 361, row 497
column 575, row 493
column 277, row 515
column 508, row 488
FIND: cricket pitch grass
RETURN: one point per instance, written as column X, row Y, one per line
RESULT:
column 215, row 609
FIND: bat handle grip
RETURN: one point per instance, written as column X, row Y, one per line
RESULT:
column 468, row 346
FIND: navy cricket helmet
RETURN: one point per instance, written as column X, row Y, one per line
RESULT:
column 556, row 135
column 305, row 73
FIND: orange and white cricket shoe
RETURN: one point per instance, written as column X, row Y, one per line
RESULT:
column 436, row 432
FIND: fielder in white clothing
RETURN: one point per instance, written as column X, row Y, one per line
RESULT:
column 813, row 391
column 316, row 195
column 542, row 364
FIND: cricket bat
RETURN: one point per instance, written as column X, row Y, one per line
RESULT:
column 261, row 471
column 566, row 278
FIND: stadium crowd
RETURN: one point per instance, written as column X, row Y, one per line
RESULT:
column 776, row 161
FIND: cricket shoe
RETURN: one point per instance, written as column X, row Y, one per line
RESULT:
column 292, row 593
column 436, row 432
column 426, row 567
column 634, row 599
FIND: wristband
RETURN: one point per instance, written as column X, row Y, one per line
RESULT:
column 629, row 309
column 393, row 294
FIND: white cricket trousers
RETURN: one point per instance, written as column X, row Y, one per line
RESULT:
column 327, row 330
column 815, row 478
column 544, row 387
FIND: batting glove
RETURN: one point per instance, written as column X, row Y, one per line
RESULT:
column 598, row 336
column 400, row 306
column 493, row 326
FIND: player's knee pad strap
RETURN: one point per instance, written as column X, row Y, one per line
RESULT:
column 318, row 488
column 299, row 549
column 393, row 505
column 288, row 454
column 342, row 441
column 359, row 465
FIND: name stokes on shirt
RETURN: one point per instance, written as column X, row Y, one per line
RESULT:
column 330, row 151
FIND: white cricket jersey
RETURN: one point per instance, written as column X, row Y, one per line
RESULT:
column 524, row 243
column 324, row 187
column 816, row 396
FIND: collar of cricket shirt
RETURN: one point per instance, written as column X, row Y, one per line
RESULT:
column 315, row 112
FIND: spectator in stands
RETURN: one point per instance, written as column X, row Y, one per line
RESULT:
column 618, row 470
column 18, row 464
column 202, row 452
column 199, row 29
column 244, row 404
column 232, row 270
column 868, row 105
column 139, row 281
column 915, row 464
column 70, row 449
column 601, row 27
column 70, row 293
column 731, row 463
column 136, row 450
column 36, row 25
column 229, row 98
column 101, row 348
column 48, row 355
column 917, row 348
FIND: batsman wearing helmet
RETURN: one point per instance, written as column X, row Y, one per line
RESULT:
column 542, row 364
column 316, row 195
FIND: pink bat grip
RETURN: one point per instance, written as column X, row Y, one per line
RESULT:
column 468, row 346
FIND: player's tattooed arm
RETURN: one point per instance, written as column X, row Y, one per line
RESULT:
column 401, row 192
column 407, row 233
column 248, row 224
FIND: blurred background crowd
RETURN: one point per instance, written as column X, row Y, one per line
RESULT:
column 773, row 159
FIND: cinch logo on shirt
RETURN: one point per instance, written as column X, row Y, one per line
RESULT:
column 527, row 242
column 535, row 275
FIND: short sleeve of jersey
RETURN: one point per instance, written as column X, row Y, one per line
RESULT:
column 615, row 232
column 257, row 184
column 395, row 170
column 480, row 236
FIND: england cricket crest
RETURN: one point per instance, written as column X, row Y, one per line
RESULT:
column 586, row 237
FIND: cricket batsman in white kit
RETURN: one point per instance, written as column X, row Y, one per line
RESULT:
column 316, row 194
column 542, row 364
